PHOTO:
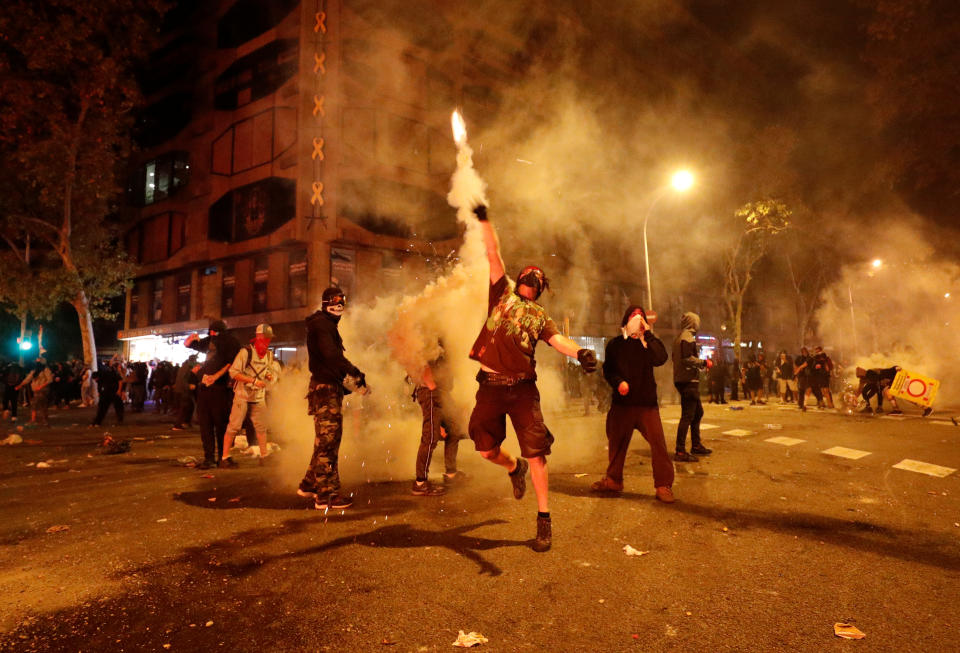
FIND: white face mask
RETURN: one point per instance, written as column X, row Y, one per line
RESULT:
column 633, row 328
column 335, row 309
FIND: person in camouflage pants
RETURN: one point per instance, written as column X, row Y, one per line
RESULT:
column 328, row 370
column 325, row 403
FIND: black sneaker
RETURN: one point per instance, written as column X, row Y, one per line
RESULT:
column 426, row 489
column 207, row 464
column 227, row 463
column 684, row 457
column 455, row 478
column 176, row 427
column 307, row 491
column 701, row 450
column 867, row 410
column 333, row 501
column 896, row 411
column 544, row 535
column 927, row 411
column 519, row 478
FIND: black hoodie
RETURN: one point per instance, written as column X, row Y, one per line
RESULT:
column 626, row 359
column 325, row 350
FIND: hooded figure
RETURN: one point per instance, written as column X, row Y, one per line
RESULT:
column 686, row 362
column 686, row 379
column 628, row 368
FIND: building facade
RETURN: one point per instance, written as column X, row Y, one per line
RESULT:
column 288, row 146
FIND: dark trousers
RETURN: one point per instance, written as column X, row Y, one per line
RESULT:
column 213, row 412
column 691, row 412
column 185, row 404
column 10, row 399
column 430, row 434
column 108, row 399
column 621, row 422
column 804, row 384
column 717, row 392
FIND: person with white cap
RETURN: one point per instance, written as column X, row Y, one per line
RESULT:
column 252, row 371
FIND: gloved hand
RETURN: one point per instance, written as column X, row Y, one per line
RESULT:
column 588, row 360
column 480, row 210
column 361, row 379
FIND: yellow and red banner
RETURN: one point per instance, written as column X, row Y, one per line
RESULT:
column 914, row 387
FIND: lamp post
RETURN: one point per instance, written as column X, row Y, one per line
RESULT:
column 875, row 264
column 681, row 182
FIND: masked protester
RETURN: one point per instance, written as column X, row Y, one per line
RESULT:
column 686, row 379
column 505, row 350
column 628, row 368
column 214, row 397
column 328, row 370
column 40, row 379
column 253, row 370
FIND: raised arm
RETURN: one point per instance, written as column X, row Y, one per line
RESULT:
column 491, row 243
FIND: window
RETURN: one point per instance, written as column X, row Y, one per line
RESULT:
column 256, row 75
column 157, row 238
column 255, row 141
column 343, row 269
column 297, row 274
column 134, row 307
column 253, row 210
column 163, row 120
column 250, row 18
column 261, row 278
column 156, row 304
column 159, row 179
column 229, row 285
column 183, row 297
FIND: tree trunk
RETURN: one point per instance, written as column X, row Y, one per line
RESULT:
column 82, row 306
column 738, row 329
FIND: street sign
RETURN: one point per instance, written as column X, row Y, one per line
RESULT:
column 915, row 388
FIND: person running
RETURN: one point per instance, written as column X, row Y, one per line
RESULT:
column 505, row 350
column 686, row 379
column 328, row 370
column 628, row 368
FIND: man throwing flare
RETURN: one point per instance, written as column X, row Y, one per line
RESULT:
column 505, row 350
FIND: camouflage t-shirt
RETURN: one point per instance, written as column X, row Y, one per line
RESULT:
column 509, row 336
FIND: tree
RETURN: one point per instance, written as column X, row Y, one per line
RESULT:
column 67, row 92
column 758, row 223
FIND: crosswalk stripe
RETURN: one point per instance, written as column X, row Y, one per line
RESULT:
column 843, row 452
column 738, row 432
column 703, row 425
column 785, row 441
column 924, row 468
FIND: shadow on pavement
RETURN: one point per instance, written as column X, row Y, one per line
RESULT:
column 401, row 536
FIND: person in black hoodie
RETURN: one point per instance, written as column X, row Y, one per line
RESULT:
column 214, row 397
column 328, row 370
column 628, row 368
column 686, row 379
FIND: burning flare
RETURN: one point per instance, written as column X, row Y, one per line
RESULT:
column 459, row 128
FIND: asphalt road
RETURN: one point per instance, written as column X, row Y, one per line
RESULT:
column 767, row 547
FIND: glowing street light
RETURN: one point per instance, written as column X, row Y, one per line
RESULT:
column 26, row 345
column 876, row 263
column 681, row 182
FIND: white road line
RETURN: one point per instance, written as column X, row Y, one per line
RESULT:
column 843, row 452
column 785, row 441
column 738, row 432
column 924, row 468
column 898, row 418
column 703, row 425
column 671, row 421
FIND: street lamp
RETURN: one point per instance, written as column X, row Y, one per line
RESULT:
column 681, row 182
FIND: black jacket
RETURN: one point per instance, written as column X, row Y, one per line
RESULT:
column 626, row 359
column 325, row 351
column 221, row 349
column 686, row 352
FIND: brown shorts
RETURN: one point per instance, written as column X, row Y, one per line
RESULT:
column 488, row 423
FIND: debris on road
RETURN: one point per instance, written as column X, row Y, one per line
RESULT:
column 59, row 528
column 208, row 624
column 630, row 551
column 109, row 446
column 13, row 438
column 387, row 642
column 773, row 427
column 43, row 465
column 580, row 475
column 467, row 640
column 848, row 631
column 187, row 461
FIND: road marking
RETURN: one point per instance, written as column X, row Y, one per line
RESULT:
column 785, row 441
column 738, row 432
column 703, row 425
column 924, row 468
column 843, row 452
column 788, row 407
column 894, row 417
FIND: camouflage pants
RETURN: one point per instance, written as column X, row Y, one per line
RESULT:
column 325, row 403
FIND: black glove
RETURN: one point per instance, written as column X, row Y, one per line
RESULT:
column 480, row 210
column 361, row 379
column 588, row 360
